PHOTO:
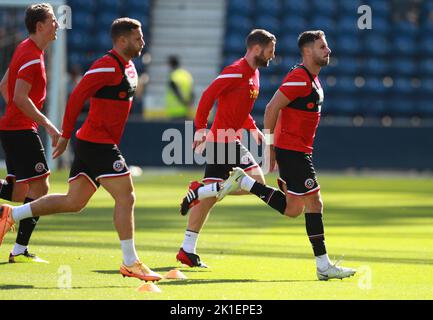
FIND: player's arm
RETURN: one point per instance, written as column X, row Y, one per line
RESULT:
column 93, row 80
column 23, row 102
column 224, row 82
column 278, row 101
column 4, row 86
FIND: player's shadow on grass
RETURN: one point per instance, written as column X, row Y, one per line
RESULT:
column 31, row 287
column 163, row 269
column 211, row 281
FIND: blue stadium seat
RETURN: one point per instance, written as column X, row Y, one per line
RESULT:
column 426, row 67
column 426, row 46
column 347, row 44
column 404, row 66
column 347, row 24
column 105, row 19
column 137, row 6
column 82, row 21
column 293, row 24
column 103, row 41
column 402, row 85
column 373, row 105
column 326, row 8
column 301, row 8
column 288, row 43
column 379, row 8
column 374, row 85
column 380, row 24
column 270, row 7
column 346, row 84
column 79, row 41
column 405, row 45
column 321, row 22
column 347, row 66
column 401, row 106
column 269, row 23
column 234, row 43
column 82, row 5
column 347, row 7
column 239, row 7
column 376, row 66
column 376, row 44
column 406, row 28
column 109, row 5
column 239, row 24
column 341, row 105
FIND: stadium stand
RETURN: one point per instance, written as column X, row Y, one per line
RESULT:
column 386, row 71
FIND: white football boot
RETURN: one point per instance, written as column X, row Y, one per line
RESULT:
column 232, row 183
column 335, row 272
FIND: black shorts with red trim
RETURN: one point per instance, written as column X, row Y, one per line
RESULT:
column 97, row 160
column 297, row 171
column 25, row 155
column 221, row 158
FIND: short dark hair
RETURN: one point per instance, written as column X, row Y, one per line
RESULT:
column 310, row 36
column 36, row 13
column 173, row 62
column 123, row 27
column 260, row 37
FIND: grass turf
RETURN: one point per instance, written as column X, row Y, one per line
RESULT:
column 382, row 226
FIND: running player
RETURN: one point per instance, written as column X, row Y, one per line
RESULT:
column 236, row 90
column 297, row 106
column 24, row 89
column 110, row 84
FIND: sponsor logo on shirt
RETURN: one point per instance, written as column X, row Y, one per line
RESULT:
column 254, row 94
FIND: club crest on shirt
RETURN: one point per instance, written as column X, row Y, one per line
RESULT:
column 309, row 183
column 39, row 167
column 118, row 165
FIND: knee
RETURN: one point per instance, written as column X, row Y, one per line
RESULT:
column 127, row 199
column 293, row 211
column 39, row 189
column 315, row 206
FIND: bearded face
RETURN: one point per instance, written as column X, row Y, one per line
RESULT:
column 265, row 56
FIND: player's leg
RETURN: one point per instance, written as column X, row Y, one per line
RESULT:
column 316, row 233
column 122, row 190
column 36, row 189
column 79, row 193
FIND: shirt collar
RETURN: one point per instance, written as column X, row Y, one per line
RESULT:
column 119, row 56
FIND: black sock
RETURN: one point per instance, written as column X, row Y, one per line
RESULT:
column 316, row 233
column 26, row 228
column 6, row 190
column 272, row 197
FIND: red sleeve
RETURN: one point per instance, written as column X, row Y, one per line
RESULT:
column 29, row 68
column 228, row 79
column 249, row 123
column 296, row 84
column 102, row 73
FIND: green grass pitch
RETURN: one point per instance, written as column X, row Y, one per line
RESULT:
column 382, row 226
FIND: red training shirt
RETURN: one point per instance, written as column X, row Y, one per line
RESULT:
column 27, row 64
column 236, row 89
column 107, row 118
column 295, row 129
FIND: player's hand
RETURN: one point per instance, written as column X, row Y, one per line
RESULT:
column 199, row 141
column 53, row 133
column 62, row 143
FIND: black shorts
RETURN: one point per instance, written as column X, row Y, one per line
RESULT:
column 221, row 158
column 25, row 155
column 297, row 171
column 97, row 160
